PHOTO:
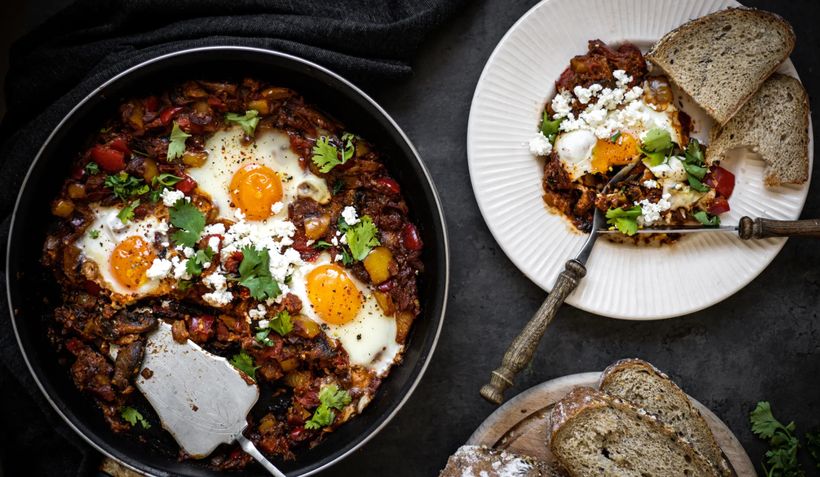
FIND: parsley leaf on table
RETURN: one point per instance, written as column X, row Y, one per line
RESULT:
column 177, row 145
column 125, row 186
column 813, row 446
column 244, row 362
column 626, row 221
column 132, row 416
column 362, row 237
column 330, row 397
column 190, row 222
column 783, row 442
column 247, row 121
column 254, row 274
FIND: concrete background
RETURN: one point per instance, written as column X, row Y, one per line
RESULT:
column 762, row 343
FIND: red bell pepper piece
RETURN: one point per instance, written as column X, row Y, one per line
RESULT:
column 721, row 180
column 108, row 158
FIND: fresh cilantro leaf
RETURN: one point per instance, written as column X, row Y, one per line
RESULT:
column 165, row 179
column 196, row 264
column 247, row 121
column 347, row 259
column 94, row 233
column 694, row 153
column 321, row 245
column 614, row 137
column 125, row 186
column 190, row 222
column 338, row 186
column 698, row 172
column 92, row 168
column 763, row 421
column 696, row 184
column 132, row 416
column 325, row 155
column 127, row 212
column 813, row 446
column 262, row 337
column 330, row 397
column 342, row 225
column 282, row 324
column 657, row 140
column 177, row 145
column 349, row 149
column 706, row 219
column 653, row 158
column 362, row 237
column 244, row 363
column 549, row 128
column 254, row 274
column 155, row 195
column 783, row 442
column 626, row 221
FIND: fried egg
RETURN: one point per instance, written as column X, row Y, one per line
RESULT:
column 347, row 311
column 258, row 179
column 122, row 253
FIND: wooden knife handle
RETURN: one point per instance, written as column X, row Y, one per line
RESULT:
column 523, row 347
column 762, row 228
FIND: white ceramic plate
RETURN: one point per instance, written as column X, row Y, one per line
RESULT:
column 623, row 281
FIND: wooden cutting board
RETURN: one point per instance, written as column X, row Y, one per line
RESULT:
column 520, row 425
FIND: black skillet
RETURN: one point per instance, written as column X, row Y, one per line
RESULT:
column 31, row 291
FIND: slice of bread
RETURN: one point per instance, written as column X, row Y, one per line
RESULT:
column 648, row 388
column 487, row 462
column 775, row 124
column 593, row 435
column 721, row 59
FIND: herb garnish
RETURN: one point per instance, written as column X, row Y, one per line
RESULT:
column 94, row 233
column 549, row 128
column 127, row 212
column 92, row 168
column 190, row 222
column 244, row 363
column 165, row 180
column 326, row 155
column 694, row 165
column 362, row 237
column 248, row 121
column 176, row 148
column 254, row 274
column 657, row 145
column 626, row 221
column 783, row 442
column 132, row 416
column 330, row 397
column 704, row 218
column 125, row 186
column 197, row 262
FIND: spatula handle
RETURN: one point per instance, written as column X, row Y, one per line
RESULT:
column 762, row 228
column 523, row 347
column 251, row 450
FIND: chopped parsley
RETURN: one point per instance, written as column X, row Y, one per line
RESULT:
column 347, row 259
column 165, row 180
column 362, row 237
column 281, row 324
column 244, row 363
column 94, row 233
column 127, row 212
column 254, row 274
column 326, row 155
column 92, row 168
column 132, row 416
column 262, row 336
column 177, row 145
column 783, row 442
column 694, row 165
column 330, row 397
column 549, row 128
column 706, row 219
column 626, row 221
column 322, row 245
column 247, row 121
column 190, row 222
column 196, row 264
column 614, row 138
column 125, row 186
column 657, row 145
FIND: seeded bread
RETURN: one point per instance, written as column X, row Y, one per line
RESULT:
column 594, row 435
column 775, row 124
column 646, row 387
column 487, row 462
column 721, row 59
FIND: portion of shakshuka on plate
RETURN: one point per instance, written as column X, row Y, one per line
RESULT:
column 258, row 227
column 608, row 112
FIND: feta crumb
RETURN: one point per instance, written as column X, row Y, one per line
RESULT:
column 277, row 207
column 540, row 145
column 650, row 184
column 188, row 252
column 338, row 258
column 263, row 323
column 171, row 196
column 350, row 215
column 218, row 298
column 257, row 313
column 562, row 104
column 213, row 243
column 621, row 78
column 180, row 268
column 239, row 215
column 343, row 239
column 160, row 268
column 651, row 212
column 334, row 241
column 214, row 229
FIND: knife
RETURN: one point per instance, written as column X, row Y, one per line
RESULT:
column 747, row 228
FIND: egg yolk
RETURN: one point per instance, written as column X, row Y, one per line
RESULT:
column 607, row 153
column 254, row 189
column 130, row 260
column 333, row 294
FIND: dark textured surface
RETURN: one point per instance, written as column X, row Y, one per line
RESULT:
column 762, row 343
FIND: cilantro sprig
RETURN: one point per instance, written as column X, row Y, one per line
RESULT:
column 176, row 148
column 783, row 442
column 549, row 128
column 695, row 166
column 127, row 212
column 708, row 220
column 132, row 416
column 254, row 274
column 244, row 362
column 190, row 222
column 281, row 324
column 330, row 397
column 125, row 186
column 361, row 237
column 625, row 220
column 92, row 168
column 247, row 121
column 326, row 156
column 197, row 262
column 656, row 146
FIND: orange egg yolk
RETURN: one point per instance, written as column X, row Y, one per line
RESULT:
column 333, row 294
column 607, row 153
column 254, row 189
column 130, row 260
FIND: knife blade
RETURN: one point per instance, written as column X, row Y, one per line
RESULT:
column 680, row 229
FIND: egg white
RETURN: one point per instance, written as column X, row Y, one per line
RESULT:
column 271, row 148
column 111, row 231
column 370, row 338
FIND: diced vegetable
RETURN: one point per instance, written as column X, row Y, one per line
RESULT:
column 389, row 185
column 63, row 208
column 410, row 236
column 305, row 327
column 186, row 185
column 721, row 180
column 168, row 114
column 315, row 227
column 201, row 328
column 385, row 302
column 718, row 206
column 76, row 191
column 404, row 320
column 289, row 364
column 108, row 158
column 297, row 379
column 377, row 264
column 194, row 158
column 259, row 105
column 149, row 170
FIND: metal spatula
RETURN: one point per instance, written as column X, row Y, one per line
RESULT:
column 200, row 398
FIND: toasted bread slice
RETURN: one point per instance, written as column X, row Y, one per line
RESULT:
column 721, row 59
column 646, row 387
column 775, row 124
column 488, row 462
column 594, row 434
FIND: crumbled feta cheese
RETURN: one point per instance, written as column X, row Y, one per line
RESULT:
column 263, row 323
column 562, row 104
column 334, row 241
column 650, row 184
column 160, row 268
column 338, row 258
column 215, row 280
column 239, row 214
column 161, row 228
column 671, row 168
column 258, row 313
column 218, row 298
column 180, row 268
column 621, row 78
column 188, row 252
column 343, row 239
column 214, row 229
column 350, row 215
column 213, row 243
column 277, row 207
column 171, row 196
column 219, row 283
column 651, row 211
column 540, row 145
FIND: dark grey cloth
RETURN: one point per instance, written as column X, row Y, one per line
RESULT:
column 60, row 62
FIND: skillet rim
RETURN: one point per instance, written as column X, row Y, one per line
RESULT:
column 312, row 67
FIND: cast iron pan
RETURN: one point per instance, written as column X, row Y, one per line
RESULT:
column 31, row 290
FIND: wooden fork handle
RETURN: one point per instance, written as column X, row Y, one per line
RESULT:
column 762, row 228
column 523, row 347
